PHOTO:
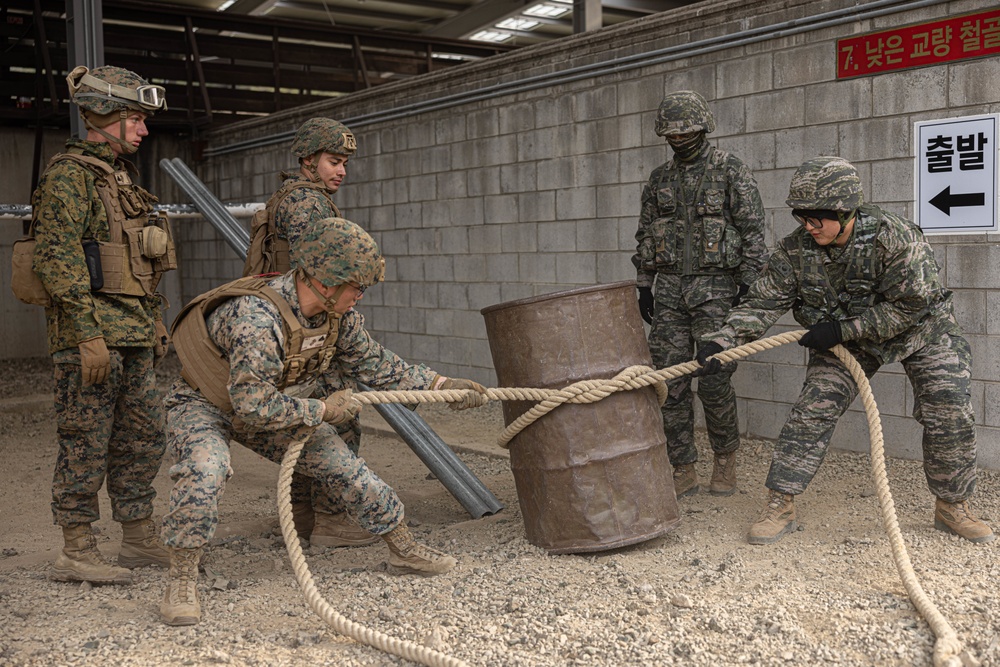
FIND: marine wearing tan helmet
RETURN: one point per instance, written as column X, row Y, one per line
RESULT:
column 317, row 136
column 108, row 93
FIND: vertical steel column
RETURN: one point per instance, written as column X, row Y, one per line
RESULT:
column 586, row 15
column 85, row 44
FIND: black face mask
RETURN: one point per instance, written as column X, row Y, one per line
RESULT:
column 686, row 149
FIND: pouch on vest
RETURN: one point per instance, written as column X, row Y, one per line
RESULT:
column 92, row 255
column 664, row 233
column 260, row 255
column 24, row 282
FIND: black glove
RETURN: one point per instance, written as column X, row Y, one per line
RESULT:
column 743, row 289
column 646, row 304
column 822, row 336
column 708, row 366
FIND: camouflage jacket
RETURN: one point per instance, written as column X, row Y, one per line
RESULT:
column 67, row 210
column 703, row 217
column 882, row 286
column 301, row 205
column 248, row 331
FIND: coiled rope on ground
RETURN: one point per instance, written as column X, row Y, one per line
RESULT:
column 946, row 648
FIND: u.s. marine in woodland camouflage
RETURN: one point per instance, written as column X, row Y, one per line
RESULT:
column 859, row 276
column 105, row 329
column 323, row 147
column 242, row 346
column 700, row 242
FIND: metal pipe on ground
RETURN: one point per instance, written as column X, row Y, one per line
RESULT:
column 439, row 458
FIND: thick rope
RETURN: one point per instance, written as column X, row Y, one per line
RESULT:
column 946, row 649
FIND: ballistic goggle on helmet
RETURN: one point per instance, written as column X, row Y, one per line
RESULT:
column 108, row 89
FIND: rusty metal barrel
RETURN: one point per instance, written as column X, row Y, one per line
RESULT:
column 589, row 477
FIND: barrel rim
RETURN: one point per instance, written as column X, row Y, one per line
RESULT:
column 555, row 295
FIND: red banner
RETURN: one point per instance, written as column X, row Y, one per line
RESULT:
column 932, row 43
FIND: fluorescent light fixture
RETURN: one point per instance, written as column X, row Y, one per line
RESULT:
column 547, row 11
column 490, row 36
column 517, row 24
column 225, row 5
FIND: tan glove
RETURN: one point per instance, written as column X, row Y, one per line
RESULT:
column 340, row 409
column 95, row 361
column 161, row 342
column 471, row 400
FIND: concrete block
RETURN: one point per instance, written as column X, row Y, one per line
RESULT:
column 422, row 188
column 599, row 102
column 765, row 418
column 536, row 268
column 557, row 174
column 613, row 267
column 597, row 169
column 617, row 200
column 893, row 181
column 484, row 181
column 395, row 294
column 412, row 320
column 638, row 96
column 908, row 91
column 557, row 237
column 993, row 312
column 576, row 203
column 515, row 291
column 409, row 269
column 541, row 144
column 702, row 78
column 988, row 447
column 442, row 323
column 423, row 241
column 577, row 268
column 483, row 295
column 838, row 101
column 395, row 191
column 536, row 206
column 521, row 177
column 991, row 405
column 804, row 65
column 596, row 234
column 630, row 131
column 425, row 349
column 484, row 239
column 875, row 139
column 606, row 134
column 500, row 264
column 516, row 117
column 635, row 164
column 730, row 116
column 455, row 240
column 451, row 185
column 500, row 209
column 482, row 123
column 965, row 82
column 775, row 111
column 469, row 324
column 454, row 296
column 426, row 294
column 450, row 130
column 965, row 266
column 758, row 151
column 439, row 268
column 788, row 381
column 467, row 211
column 554, row 111
column 753, row 380
column 522, row 237
column 420, row 135
column 745, row 76
column 985, row 355
column 971, row 311
column 435, row 159
column 796, row 145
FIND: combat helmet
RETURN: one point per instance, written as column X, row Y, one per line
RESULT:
column 323, row 134
column 105, row 94
column 683, row 112
column 335, row 251
column 826, row 183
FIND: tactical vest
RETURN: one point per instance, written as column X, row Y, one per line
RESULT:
column 141, row 245
column 706, row 242
column 818, row 300
column 308, row 353
column 268, row 252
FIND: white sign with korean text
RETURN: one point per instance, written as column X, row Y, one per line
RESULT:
column 955, row 186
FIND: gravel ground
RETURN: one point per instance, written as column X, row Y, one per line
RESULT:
column 828, row 594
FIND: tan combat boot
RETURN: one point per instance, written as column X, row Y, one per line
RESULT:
column 304, row 519
column 958, row 519
column 80, row 560
column 777, row 519
column 339, row 530
column 407, row 556
column 141, row 545
column 180, row 604
column 724, row 475
column 685, row 481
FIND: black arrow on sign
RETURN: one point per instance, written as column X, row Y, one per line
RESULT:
column 944, row 200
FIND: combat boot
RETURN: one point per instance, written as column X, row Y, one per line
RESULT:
column 304, row 519
column 958, row 519
column 80, row 560
column 407, row 556
column 180, row 604
column 141, row 545
column 685, row 481
column 724, row 475
column 338, row 530
column 777, row 519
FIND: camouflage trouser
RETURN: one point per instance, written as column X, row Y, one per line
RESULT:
column 303, row 490
column 111, row 431
column 940, row 374
column 686, row 309
column 198, row 435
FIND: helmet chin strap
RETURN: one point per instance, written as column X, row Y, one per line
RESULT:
column 844, row 217
column 328, row 301
column 120, row 140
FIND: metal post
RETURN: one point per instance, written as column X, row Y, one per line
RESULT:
column 85, row 44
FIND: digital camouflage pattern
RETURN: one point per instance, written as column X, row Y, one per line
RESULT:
column 248, row 331
column 337, row 251
column 66, row 210
column 682, row 112
column 323, row 135
column 825, row 183
column 908, row 319
column 700, row 235
column 111, row 432
column 299, row 207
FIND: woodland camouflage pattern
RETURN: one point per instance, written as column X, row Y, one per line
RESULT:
column 323, row 135
column 101, row 105
column 66, row 210
column 248, row 331
column 700, row 235
column 337, row 251
column 909, row 320
column 299, row 207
